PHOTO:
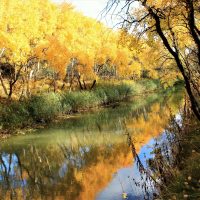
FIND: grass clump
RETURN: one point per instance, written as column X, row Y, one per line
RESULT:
column 45, row 107
column 124, row 90
column 101, row 95
column 41, row 108
column 149, row 84
column 14, row 115
column 75, row 101
column 107, row 95
column 186, row 180
column 113, row 93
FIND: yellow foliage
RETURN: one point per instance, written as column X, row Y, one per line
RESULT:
column 58, row 34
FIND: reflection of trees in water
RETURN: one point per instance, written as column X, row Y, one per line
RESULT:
column 54, row 174
column 139, row 132
column 98, row 166
column 101, row 168
column 36, row 177
column 5, row 176
column 169, row 151
column 147, row 180
column 82, row 169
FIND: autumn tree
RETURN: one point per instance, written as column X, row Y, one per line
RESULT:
column 81, row 49
column 40, row 34
column 176, row 24
column 23, row 26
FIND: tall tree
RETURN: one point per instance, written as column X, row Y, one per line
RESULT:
column 176, row 23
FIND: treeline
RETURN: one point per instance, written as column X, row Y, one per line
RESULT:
column 50, row 47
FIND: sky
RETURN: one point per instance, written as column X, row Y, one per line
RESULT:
column 93, row 8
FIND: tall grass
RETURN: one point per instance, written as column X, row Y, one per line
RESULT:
column 14, row 115
column 44, row 107
column 37, row 109
column 101, row 95
column 75, row 101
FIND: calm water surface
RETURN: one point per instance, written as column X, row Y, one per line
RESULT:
column 87, row 157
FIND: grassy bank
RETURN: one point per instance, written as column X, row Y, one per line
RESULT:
column 176, row 163
column 185, row 182
column 43, row 108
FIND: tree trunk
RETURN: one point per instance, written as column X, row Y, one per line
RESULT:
column 79, row 82
column 85, row 87
column 64, row 81
column 93, row 84
column 10, row 89
column 3, row 85
column 28, row 87
column 192, row 26
column 194, row 101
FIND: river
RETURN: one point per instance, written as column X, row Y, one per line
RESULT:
column 89, row 155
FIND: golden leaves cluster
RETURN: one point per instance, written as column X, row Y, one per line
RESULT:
column 58, row 34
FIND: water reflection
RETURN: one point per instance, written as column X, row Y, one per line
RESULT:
column 128, row 180
column 86, row 157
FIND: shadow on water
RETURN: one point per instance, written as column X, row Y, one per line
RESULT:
column 100, row 155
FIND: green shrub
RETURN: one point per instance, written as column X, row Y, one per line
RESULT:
column 74, row 101
column 90, row 99
column 137, row 88
column 15, row 115
column 109, row 93
column 101, row 95
column 45, row 107
column 149, row 84
column 71, row 101
column 124, row 90
column 112, row 94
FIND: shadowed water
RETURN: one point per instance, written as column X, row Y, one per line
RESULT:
column 88, row 156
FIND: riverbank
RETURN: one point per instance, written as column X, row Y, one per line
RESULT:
column 42, row 109
column 185, row 182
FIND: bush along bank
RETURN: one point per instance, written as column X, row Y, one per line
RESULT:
column 46, row 107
